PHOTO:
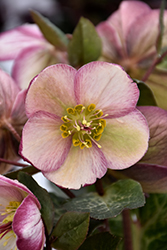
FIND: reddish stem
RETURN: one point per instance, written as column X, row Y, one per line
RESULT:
column 128, row 243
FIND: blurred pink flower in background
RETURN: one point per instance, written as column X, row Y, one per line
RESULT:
column 21, row 226
column 83, row 122
column 30, row 51
column 12, row 119
column 129, row 38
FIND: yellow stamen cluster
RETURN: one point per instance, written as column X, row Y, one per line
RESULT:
column 6, row 231
column 84, row 124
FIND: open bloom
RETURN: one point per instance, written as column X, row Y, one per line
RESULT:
column 21, row 226
column 83, row 122
column 129, row 38
column 27, row 46
column 12, row 119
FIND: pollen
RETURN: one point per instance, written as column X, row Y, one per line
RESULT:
column 84, row 124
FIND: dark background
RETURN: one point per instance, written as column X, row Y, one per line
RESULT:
column 63, row 13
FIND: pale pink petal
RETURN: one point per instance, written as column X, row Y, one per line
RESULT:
column 113, row 45
column 125, row 140
column 38, row 56
column 42, row 143
column 28, row 226
column 10, row 239
column 22, row 190
column 108, row 87
column 52, row 90
column 128, row 12
column 8, row 92
column 13, row 41
column 142, row 37
column 18, row 114
column 157, row 121
column 153, row 178
column 81, row 167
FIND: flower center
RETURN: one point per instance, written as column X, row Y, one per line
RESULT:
column 6, row 231
column 84, row 124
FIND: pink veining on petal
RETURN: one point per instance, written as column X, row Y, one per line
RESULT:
column 44, row 128
column 108, row 87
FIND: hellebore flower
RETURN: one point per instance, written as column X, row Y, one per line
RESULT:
column 12, row 119
column 151, row 170
column 83, row 122
column 21, row 226
column 129, row 38
column 27, row 46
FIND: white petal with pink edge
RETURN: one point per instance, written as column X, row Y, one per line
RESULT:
column 23, row 72
column 82, row 166
column 52, row 90
column 28, row 226
column 108, row 87
column 42, row 143
column 125, row 140
column 13, row 41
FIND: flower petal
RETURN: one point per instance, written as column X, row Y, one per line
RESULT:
column 153, row 178
column 8, row 241
column 18, row 114
column 28, row 226
column 81, row 167
column 8, row 92
column 108, row 87
column 47, row 150
column 125, row 140
column 38, row 56
column 13, row 41
column 52, row 90
column 19, row 189
column 146, row 40
column 157, row 121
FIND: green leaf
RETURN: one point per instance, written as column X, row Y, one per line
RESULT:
column 47, row 208
column 52, row 33
column 85, row 45
column 70, row 231
column 146, row 95
column 118, row 196
column 101, row 241
column 152, row 226
column 30, row 170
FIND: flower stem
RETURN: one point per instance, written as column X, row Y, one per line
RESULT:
column 68, row 192
column 128, row 244
column 12, row 130
column 99, row 187
column 13, row 163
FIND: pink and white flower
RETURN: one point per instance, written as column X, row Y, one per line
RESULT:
column 129, row 38
column 30, row 51
column 12, row 119
column 83, row 122
column 21, row 226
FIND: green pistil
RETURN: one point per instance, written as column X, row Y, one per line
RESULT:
column 84, row 124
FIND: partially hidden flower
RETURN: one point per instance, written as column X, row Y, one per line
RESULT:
column 83, row 122
column 30, row 51
column 129, row 38
column 12, row 119
column 21, row 225
column 151, row 170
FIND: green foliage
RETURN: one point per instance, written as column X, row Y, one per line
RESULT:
column 118, row 196
column 52, row 33
column 161, row 27
column 146, row 97
column 152, row 225
column 70, row 231
column 47, row 208
column 101, row 241
column 30, row 170
column 85, row 45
